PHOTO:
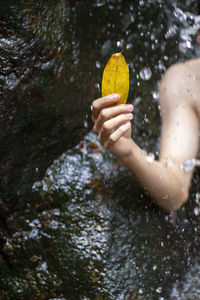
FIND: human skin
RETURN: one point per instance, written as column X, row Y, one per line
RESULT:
column 164, row 179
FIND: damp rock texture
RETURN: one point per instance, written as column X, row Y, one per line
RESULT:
column 43, row 105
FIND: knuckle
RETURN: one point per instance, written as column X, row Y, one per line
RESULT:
column 111, row 140
column 105, row 127
column 123, row 128
column 121, row 106
column 120, row 130
column 103, row 115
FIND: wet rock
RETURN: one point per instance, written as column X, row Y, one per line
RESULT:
column 44, row 103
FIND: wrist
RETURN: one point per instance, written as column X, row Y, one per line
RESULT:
column 127, row 156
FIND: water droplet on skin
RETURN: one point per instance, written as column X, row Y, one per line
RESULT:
column 143, row 152
column 150, row 157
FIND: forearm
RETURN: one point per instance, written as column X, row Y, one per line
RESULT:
column 166, row 183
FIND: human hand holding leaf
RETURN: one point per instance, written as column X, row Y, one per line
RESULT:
column 112, row 122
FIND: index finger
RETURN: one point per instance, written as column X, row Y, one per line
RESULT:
column 103, row 102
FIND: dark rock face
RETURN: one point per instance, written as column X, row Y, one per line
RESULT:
column 43, row 105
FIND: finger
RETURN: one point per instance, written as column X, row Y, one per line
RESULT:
column 112, row 125
column 103, row 102
column 116, row 135
column 109, row 113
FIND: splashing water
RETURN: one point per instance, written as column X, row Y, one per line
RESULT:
column 190, row 287
column 145, row 74
column 190, row 24
column 189, row 164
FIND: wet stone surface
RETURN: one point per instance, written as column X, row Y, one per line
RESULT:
column 41, row 90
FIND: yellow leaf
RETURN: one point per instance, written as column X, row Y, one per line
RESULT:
column 116, row 77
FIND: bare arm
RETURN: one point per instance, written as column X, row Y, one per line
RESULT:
column 163, row 179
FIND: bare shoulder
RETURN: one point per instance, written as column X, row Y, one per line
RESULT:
column 181, row 84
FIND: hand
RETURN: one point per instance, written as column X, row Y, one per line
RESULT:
column 112, row 124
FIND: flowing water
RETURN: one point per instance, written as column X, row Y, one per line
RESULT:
column 88, row 231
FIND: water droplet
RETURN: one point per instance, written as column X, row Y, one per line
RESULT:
column 129, row 46
column 97, row 86
column 143, row 152
column 196, row 211
column 197, row 198
column 189, row 164
column 159, row 290
column 154, row 267
column 98, row 65
column 119, row 43
column 171, row 32
column 145, row 74
column 140, row 291
column 155, row 95
column 150, row 157
column 85, row 124
column 105, row 49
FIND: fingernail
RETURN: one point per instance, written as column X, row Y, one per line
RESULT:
column 130, row 107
